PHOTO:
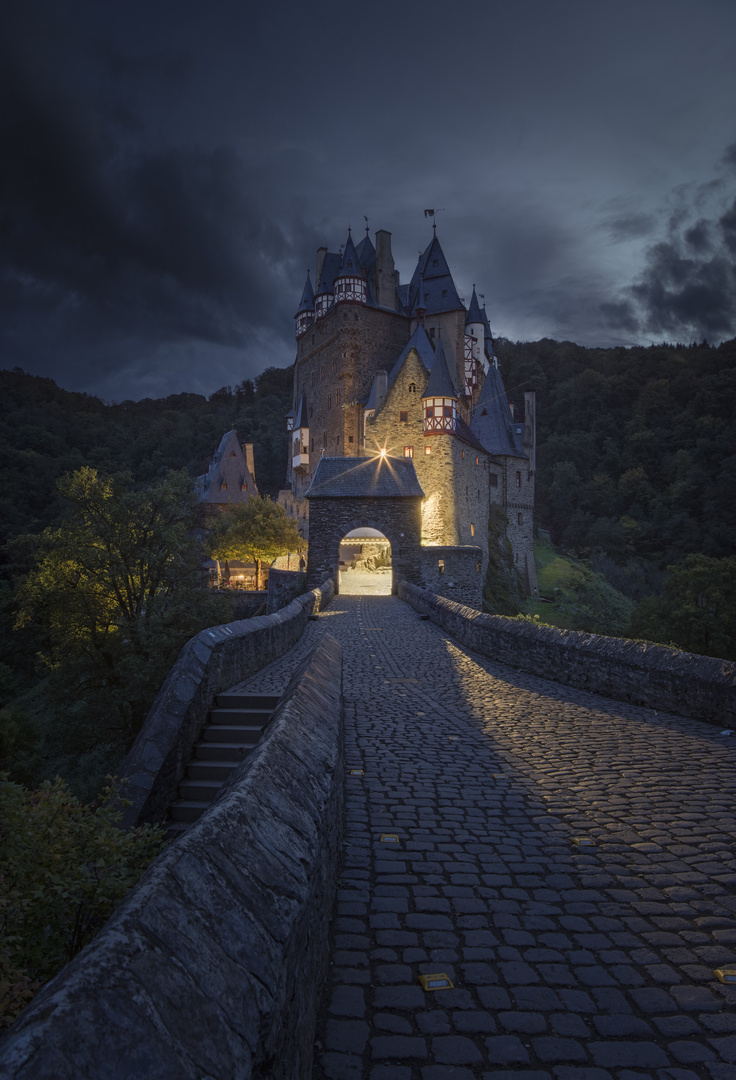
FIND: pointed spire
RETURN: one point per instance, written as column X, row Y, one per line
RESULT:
column 474, row 315
column 307, row 301
column 440, row 383
column 350, row 262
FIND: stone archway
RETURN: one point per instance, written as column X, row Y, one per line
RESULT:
column 380, row 494
column 365, row 563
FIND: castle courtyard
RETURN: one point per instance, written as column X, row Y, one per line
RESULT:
column 566, row 861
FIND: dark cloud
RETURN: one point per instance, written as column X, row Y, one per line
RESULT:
column 687, row 288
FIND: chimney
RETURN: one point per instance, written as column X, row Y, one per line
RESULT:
column 530, row 428
column 248, row 452
column 381, row 387
column 384, row 275
column 321, row 252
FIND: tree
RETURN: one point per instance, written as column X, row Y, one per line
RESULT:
column 256, row 531
column 116, row 589
column 64, row 867
column 697, row 610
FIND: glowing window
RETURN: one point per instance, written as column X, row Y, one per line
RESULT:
column 441, row 566
column 472, row 529
column 427, row 449
column 408, row 451
column 412, row 388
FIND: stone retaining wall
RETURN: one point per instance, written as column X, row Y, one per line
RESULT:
column 667, row 680
column 212, row 661
column 210, row 968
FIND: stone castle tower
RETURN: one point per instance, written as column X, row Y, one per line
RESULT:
column 407, row 371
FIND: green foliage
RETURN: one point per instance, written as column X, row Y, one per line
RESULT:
column 115, row 591
column 697, row 609
column 582, row 599
column 636, row 458
column 256, row 531
column 503, row 588
column 64, row 867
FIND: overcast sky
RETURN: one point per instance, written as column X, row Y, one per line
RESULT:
column 169, row 169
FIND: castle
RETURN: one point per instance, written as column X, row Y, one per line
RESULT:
column 386, row 372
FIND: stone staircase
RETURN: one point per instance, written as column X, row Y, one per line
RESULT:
column 233, row 728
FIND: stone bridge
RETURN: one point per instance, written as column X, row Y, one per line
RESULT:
column 564, row 860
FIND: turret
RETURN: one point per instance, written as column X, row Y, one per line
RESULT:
column 440, row 397
column 350, row 283
column 305, row 314
column 474, row 344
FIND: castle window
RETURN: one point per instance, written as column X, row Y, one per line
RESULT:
column 435, row 262
column 444, row 293
column 233, row 454
column 337, row 397
column 223, row 485
column 429, row 411
column 350, row 438
column 427, row 450
column 441, row 566
column 493, row 480
column 412, row 388
column 520, row 518
column 409, row 451
column 329, row 401
column 243, row 487
column 314, row 378
column 477, row 461
column 431, row 332
column 463, row 455
column 403, row 417
column 334, row 365
column 472, row 529
column 477, row 567
column 518, row 479
column 447, row 410
column 322, row 372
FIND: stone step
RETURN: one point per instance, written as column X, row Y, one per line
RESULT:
column 188, row 810
column 229, row 733
column 255, row 717
column 221, row 751
column 213, row 770
column 199, row 789
column 246, row 701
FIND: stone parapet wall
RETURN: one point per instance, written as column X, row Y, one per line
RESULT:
column 283, row 587
column 459, row 577
column 699, row 687
column 210, row 968
column 211, row 662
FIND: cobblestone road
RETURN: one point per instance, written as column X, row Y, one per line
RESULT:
column 568, row 963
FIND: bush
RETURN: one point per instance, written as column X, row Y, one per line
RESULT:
column 64, row 867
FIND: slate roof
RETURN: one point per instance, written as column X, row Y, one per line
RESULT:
column 492, row 423
column 330, row 270
column 366, row 255
column 301, row 417
column 436, row 279
column 462, row 431
column 350, row 266
column 423, row 346
column 440, row 384
column 475, row 315
column 307, row 301
column 354, row 478
column 228, row 466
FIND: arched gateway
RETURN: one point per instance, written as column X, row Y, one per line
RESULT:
column 380, row 493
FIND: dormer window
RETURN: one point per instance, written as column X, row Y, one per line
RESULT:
column 435, row 262
column 412, row 388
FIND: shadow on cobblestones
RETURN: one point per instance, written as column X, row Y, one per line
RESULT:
column 568, row 962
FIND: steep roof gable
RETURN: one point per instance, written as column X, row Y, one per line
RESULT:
column 307, row 301
column 228, row 479
column 422, row 345
column 440, row 384
column 432, row 273
column 492, row 424
column 475, row 315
